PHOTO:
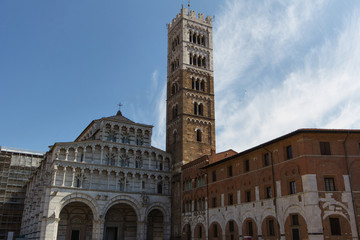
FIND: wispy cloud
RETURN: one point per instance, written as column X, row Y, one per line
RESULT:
column 277, row 69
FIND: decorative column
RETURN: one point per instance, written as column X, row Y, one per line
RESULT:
column 73, row 177
column 91, row 176
column 54, row 180
column 107, row 180
column 101, row 154
column 66, row 154
column 84, row 154
column 64, row 175
column 75, row 155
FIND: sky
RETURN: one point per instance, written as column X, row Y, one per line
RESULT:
column 279, row 66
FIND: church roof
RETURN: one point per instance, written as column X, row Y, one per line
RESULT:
column 118, row 118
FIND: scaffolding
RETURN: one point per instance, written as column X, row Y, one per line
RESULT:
column 16, row 168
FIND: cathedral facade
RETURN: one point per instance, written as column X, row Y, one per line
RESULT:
column 110, row 183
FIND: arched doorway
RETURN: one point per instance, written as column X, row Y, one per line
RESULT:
column 75, row 223
column 155, row 225
column 120, row 223
column 199, row 232
column 186, row 232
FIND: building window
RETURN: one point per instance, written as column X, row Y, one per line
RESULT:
column 230, row 173
column 292, row 185
column 247, row 165
column 250, row 228
column 230, row 199
column 325, row 148
column 200, row 232
column 289, row 154
column 198, row 135
column 329, row 184
column 266, row 159
column 295, row 234
column 268, row 192
column 248, row 196
column 335, row 226
column 231, row 226
column 295, row 220
column 214, row 176
column 214, row 202
column 78, row 182
column 271, row 227
column 215, row 230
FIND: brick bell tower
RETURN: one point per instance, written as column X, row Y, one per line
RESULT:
column 190, row 113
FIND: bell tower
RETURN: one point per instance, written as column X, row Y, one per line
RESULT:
column 190, row 113
column 190, row 118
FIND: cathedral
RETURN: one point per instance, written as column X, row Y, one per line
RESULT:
column 110, row 183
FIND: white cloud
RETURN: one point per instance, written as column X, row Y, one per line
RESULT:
column 273, row 75
column 159, row 132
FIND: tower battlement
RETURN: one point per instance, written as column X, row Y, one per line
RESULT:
column 191, row 15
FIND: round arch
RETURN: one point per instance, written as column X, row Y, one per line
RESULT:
column 126, row 200
column 78, row 197
column 161, row 207
column 215, row 231
column 249, row 228
column 337, row 225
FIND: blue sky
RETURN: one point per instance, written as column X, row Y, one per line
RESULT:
column 279, row 66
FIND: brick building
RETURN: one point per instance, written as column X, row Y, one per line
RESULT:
column 303, row 185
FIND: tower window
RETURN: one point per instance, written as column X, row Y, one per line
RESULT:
column 198, row 135
column 174, row 111
column 202, row 86
column 198, row 109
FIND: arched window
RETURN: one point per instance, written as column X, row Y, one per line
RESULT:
column 174, row 88
column 199, row 62
column 194, row 60
column 204, row 62
column 202, row 85
column 198, row 135
column 195, row 108
column 193, row 82
column 201, row 109
column 197, row 84
column 194, row 38
column 190, row 36
column 174, row 111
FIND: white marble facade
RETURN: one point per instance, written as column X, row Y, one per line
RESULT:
column 107, row 184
